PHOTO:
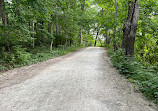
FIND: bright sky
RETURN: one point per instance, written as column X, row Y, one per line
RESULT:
column 10, row 1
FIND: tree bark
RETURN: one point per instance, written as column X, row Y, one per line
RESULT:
column 130, row 27
column 114, row 33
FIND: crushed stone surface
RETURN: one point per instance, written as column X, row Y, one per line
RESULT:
column 81, row 81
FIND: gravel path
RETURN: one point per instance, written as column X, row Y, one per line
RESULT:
column 80, row 81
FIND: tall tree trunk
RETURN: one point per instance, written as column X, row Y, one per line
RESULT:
column 57, row 29
column 66, row 37
column 114, row 33
column 65, row 43
column 33, row 35
column 42, row 27
column 1, row 7
column 96, row 39
column 5, row 21
column 57, row 35
column 88, row 33
column 80, row 30
column 130, row 27
column 70, row 41
column 51, row 44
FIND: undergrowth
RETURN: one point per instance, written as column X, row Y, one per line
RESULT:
column 145, row 77
column 21, row 56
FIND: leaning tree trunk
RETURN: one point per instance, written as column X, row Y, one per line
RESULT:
column 130, row 27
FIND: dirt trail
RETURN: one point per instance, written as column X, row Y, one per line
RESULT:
column 80, row 81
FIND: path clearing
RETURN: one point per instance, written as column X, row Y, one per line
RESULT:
column 82, row 81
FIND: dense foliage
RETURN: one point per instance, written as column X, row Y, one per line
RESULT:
column 142, row 68
column 30, row 24
column 137, row 72
column 35, row 30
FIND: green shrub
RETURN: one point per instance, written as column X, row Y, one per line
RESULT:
column 145, row 77
column 20, row 55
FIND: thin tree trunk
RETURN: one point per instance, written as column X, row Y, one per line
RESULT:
column 70, row 41
column 51, row 44
column 87, row 38
column 130, row 27
column 114, row 33
column 33, row 30
column 80, row 36
column 42, row 27
column 57, row 29
column 65, row 43
column 80, row 30
column 96, row 39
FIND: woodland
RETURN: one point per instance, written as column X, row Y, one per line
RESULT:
column 36, row 30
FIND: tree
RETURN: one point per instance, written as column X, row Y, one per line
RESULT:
column 80, row 30
column 96, row 38
column 130, row 27
column 1, row 7
column 114, row 33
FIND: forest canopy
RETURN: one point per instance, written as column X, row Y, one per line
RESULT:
column 36, row 30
